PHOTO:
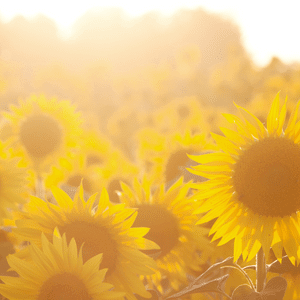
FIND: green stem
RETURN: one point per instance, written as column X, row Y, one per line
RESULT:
column 39, row 187
column 260, row 270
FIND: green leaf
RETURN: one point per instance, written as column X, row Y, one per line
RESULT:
column 274, row 289
column 245, row 292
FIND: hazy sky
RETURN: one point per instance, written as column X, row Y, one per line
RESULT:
column 268, row 27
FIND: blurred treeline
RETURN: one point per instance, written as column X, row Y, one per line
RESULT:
column 120, row 68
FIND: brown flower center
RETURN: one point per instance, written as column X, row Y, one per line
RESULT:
column 267, row 177
column 65, row 286
column 96, row 238
column 183, row 112
column 40, row 135
column 164, row 228
column 94, row 160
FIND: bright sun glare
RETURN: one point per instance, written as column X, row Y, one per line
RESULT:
column 255, row 19
column 65, row 13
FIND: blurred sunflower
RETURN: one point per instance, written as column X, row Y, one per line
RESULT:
column 43, row 131
column 56, row 271
column 95, row 147
column 165, row 157
column 13, row 182
column 94, row 173
column 213, row 117
column 106, row 229
column 181, row 114
column 121, row 128
column 254, row 188
column 118, row 169
column 70, row 175
column 169, row 215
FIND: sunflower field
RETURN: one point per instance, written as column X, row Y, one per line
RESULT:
column 161, row 174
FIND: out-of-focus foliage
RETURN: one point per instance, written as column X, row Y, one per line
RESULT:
column 125, row 70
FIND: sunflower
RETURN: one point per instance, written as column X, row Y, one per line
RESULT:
column 106, row 229
column 169, row 215
column 118, row 169
column 165, row 156
column 56, row 271
column 181, row 114
column 121, row 128
column 43, row 131
column 95, row 147
column 253, row 188
column 72, row 172
column 98, row 164
column 13, row 182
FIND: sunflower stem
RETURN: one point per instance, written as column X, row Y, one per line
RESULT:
column 39, row 187
column 260, row 270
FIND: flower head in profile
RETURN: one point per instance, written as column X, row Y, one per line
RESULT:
column 253, row 188
column 169, row 215
column 103, row 229
column 57, row 271
column 164, row 157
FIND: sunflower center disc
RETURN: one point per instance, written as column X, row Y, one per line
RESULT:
column 94, row 160
column 267, row 177
column 96, row 238
column 163, row 226
column 64, row 286
column 183, row 112
column 40, row 135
